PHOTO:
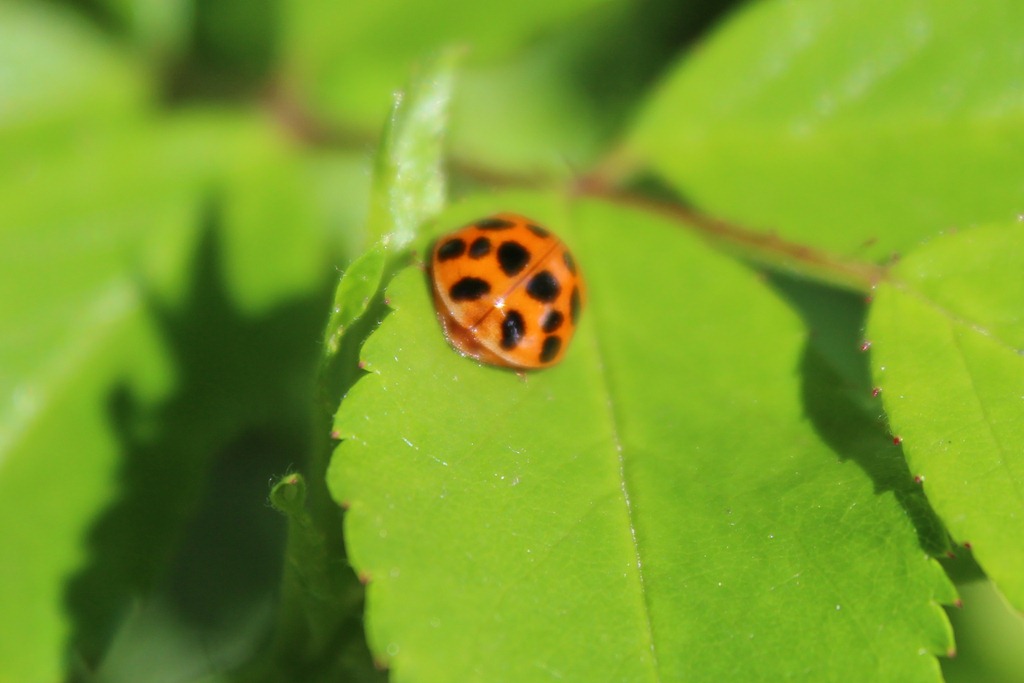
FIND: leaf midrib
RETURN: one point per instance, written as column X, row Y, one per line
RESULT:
column 614, row 422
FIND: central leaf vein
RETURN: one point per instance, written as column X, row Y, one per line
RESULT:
column 614, row 421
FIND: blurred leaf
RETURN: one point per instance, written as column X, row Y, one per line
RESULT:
column 93, row 213
column 70, row 317
column 564, row 96
column 59, row 76
column 340, row 182
column 64, row 402
column 544, row 123
column 210, row 607
column 322, row 598
column 850, row 125
column 157, row 29
column 350, row 56
column 947, row 333
column 409, row 181
column 236, row 36
column 669, row 502
column 990, row 638
column 543, row 93
column 80, row 331
column 97, row 226
column 275, row 229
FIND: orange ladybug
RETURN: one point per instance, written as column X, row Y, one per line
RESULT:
column 507, row 292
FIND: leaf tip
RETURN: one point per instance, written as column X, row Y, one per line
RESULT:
column 289, row 494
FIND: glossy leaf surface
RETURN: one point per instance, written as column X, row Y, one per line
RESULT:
column 670, row 501
column 947, row 337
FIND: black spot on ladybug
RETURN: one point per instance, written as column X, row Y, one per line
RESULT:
column 552, row 345
column 494, row 224
column 569, row 262
column 574, row 305
column 453, row 248
column 512, row 257
column 552, row 321
column 469, row 289
column 512, row 330
column 481, row 247
column 543, row 287
column 537, row 230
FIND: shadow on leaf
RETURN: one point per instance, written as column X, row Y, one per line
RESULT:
column 184, row 568
column 839, row 403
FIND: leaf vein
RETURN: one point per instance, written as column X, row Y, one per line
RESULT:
column 1001, row 449
column 614, row 421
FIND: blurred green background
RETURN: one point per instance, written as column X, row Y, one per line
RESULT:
column 180, row 184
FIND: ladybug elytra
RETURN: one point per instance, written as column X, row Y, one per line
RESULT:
column 507, row 292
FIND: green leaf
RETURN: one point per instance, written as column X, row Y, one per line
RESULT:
column 546, row 125
column 408, row 189
column 79, row 334
column 542, row 76
column 409, row 181
column 160, row 30
column 274, row 232
column 341, row 182
column 71, row 319
column 59, row 73
column 350, row 56
column 947, row 333
column 990, row 638
column 68, row 395
column 857, row 126
column 667, row 503
column 318, row 588
column 561, row 98
column 96, row 247
column 357, row 287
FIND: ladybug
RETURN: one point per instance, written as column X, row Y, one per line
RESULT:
column 507, row 292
